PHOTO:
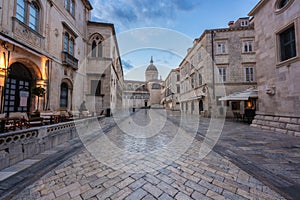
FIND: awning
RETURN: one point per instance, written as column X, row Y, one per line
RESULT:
column 241, row 96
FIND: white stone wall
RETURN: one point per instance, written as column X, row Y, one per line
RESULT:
column 282, row 78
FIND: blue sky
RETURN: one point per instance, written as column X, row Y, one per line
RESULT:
column 148, row 28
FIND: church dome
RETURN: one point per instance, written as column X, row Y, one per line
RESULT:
column 151, row 67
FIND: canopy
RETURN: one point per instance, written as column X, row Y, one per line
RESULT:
column 241, row 96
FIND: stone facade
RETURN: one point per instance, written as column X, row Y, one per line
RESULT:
column 138, row 94
column 215, row 66
column 278, row 72
column 172, row 90
column 104, row 71
column 51, row 51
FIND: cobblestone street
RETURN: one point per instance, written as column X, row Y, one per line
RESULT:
column 144, row 168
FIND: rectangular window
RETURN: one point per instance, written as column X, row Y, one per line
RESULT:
column 178, row 77
column 287, row 44
column 247, row 46
column 222, row 75
column 249, row 74
column 95, row 87
column 221, row 48
column 178, row 89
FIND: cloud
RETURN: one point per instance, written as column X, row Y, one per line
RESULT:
column 127, row 65
column 128, row 14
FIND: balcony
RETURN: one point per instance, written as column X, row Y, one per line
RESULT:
column 69, row 60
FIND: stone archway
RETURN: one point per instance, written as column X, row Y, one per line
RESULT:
column 66, row 93
column 17, row 91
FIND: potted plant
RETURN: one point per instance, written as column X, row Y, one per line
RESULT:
column 39, row 92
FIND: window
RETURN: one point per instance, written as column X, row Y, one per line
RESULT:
column 221, row 48
column 200, row 79
column 244, row 23
column 287, row 44
column 192, row 106
column 178, row 89
column 64, row 95
column 28, row 13
column 222, row 75
column 70, row 6
column 97, row 46
column 178, row 77
column 95, row 87
column 247, row 46
column 249, row 74
column 69, row 43
column 193, row 82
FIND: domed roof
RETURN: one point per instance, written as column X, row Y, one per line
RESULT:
column 151, row 67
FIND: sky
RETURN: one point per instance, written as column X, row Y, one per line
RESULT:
column 164, row 29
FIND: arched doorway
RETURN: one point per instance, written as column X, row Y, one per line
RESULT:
column 17, row 89
column 64, row 90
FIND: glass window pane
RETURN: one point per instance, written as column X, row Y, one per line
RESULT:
column 21, row 10
column 66, row 42
column 71, row 47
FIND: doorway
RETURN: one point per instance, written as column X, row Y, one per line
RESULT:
column 17, row 89
column 200, row 106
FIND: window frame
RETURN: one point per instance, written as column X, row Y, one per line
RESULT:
column 26, row 16
column 279, row 36
column 222, row 74
column 249, row 44
column 221, row 48
column 252, row 75
column 69, row 43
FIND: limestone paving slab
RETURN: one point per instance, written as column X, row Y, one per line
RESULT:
column 148, row 172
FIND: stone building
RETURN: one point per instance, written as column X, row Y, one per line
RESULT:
column 46, row 43
column 138, row 94
column 104, row 74
column 172, row 90
column 278, row 74
column 221, row 62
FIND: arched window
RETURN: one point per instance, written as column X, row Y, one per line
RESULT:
column 97, row 46
column 64, row 95
column 28, row 12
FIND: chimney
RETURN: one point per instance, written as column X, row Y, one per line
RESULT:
column 230, row 23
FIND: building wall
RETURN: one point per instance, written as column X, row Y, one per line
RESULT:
column 199, row 60
column 42, row 49
column 171, row 93
column 278, row 81
column 42, row 53
column 105, row 68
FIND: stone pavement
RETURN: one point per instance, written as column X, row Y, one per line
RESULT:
column 128, row 166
